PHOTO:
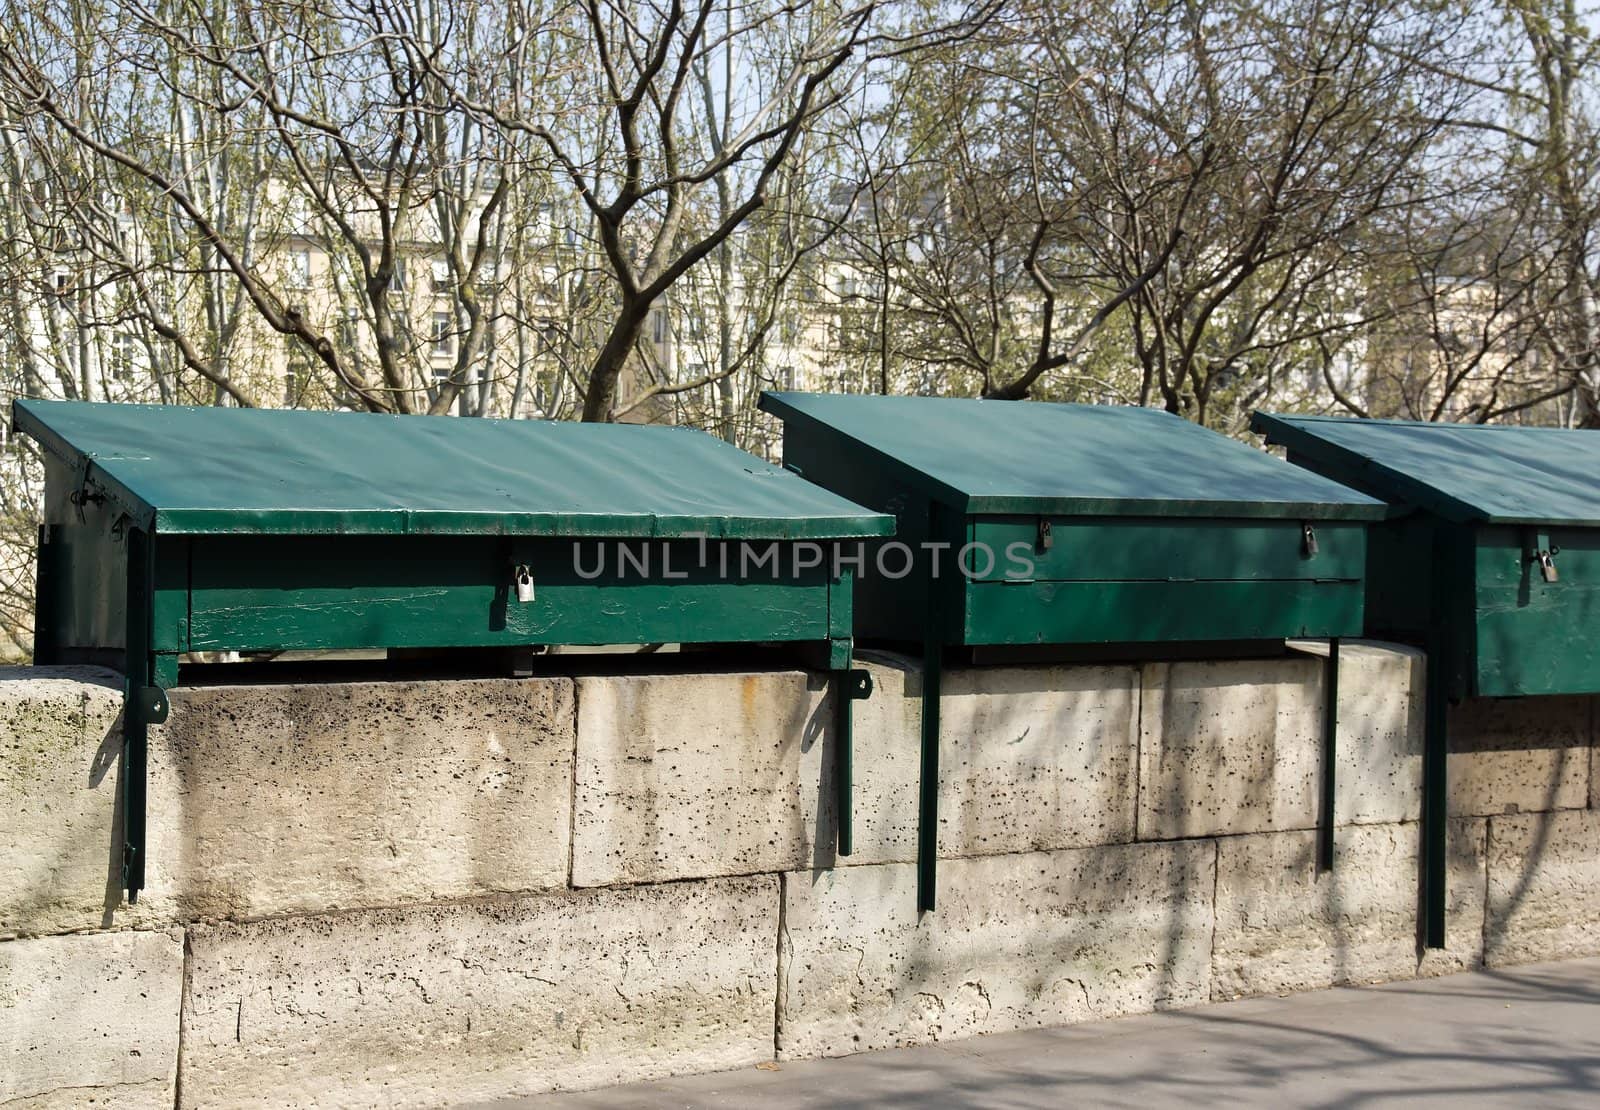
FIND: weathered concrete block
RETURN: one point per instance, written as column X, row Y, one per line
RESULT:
column 293, row 798
column 432, row 1005
column 682, row 776
column 1030, row 758
column 1378, row 749
column 59, row 743
column 1282, row 926
column 90, row 1020
column 1041, row 938
column 308, row 797
column 1519, row 755
column 1036, row 758
column 888, row 744
column 1229, row 747
column 1544, row 887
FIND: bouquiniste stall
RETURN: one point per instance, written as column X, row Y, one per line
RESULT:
column 171, row 530
column 1089, row 526
column 1491, row 561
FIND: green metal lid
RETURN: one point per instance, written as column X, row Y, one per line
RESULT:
column 224, row 470
column 1032, row 457
column 1467, row 473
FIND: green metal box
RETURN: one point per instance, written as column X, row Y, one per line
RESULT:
column 1110, row 530
column 1080, row 524
column 172, row 530
column 1489, row 558
column 1493, row 538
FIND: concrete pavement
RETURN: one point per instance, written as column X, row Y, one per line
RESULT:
column 1526, row 1036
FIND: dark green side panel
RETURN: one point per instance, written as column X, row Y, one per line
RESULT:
column 887, row 606
column 1534, row 636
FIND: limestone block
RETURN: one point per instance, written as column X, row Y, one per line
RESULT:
column 450, row 1004
column 682, row 776
column 59, row 742
column 1229, row 747
column 1036, row 758
column 1030, row 758
column 1282, row 926
column 1519, row 755
column 887, row 745
column 1378, row 749
column 1544, row 887
column 308, row 797
column 1041, row 938
column 90, row 1020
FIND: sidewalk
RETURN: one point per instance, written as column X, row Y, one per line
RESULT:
column 1527, row 1036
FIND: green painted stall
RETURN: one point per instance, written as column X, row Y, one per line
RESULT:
column 1105, row 529
column 170, row 530
column 1490, row 560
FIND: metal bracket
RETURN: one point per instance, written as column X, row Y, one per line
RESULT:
column 858, row 684
column 849, row 685
column 1308, row 539
column 1046, row 539
column 150, row 702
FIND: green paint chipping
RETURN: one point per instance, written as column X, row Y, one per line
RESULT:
column 1464, row 473
column 985, row 457
column 252, row 471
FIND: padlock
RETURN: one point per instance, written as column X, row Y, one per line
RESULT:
column 524, row 580
column 1547, row 567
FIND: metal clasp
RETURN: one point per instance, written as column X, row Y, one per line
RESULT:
column 523, row 578
column 1544, row 553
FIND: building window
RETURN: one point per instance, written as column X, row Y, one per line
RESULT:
column 443, row 338
column 124, row 355
column 658, row 326
column 441, row 275
column 398, row 282
column 348, row 335
column 300, row 269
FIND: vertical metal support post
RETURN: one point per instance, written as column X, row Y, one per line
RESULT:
column 47, row 597
column 843, row 763
column 1435, row 818
column 849, row 686
column 136, row 674
column 1330, row 761
column 928, row 804
column 928, row 791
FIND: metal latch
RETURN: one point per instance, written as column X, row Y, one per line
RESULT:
column 1046, row 539
column 1308, row 539
column 523, row 577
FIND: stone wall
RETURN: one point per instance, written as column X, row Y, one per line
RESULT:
column 422, row 893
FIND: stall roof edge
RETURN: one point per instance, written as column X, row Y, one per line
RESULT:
column 260, row 471
column 1505, row 483
column 1194, row 472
